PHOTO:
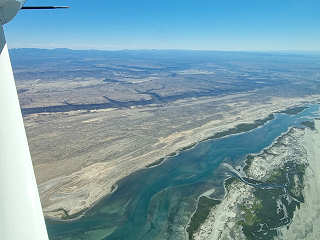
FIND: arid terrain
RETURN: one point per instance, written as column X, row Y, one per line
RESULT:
column 94, row 117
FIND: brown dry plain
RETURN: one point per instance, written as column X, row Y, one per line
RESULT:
column 79, row 155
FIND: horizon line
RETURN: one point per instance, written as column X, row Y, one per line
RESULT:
column 169, row 49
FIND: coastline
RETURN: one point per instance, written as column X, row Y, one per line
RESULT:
column 238, row 128
column 213, row 228
column 228, row 183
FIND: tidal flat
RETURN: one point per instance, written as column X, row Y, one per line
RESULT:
column 306, row 220
column 263, row 211
column 162, row 208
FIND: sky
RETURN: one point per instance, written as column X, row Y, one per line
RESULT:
column 241, row 25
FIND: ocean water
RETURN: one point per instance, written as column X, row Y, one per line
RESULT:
column 156, row 203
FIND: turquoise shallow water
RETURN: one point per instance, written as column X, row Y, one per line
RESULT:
column 157, row 203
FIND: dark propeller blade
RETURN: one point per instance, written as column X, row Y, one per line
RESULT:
column 44, row 7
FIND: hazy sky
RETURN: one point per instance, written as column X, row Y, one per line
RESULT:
column 170, row 24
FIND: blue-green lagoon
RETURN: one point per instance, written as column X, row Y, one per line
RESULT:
column 157, row 202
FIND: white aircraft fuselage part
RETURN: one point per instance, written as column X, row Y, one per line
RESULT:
column 21, row 214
